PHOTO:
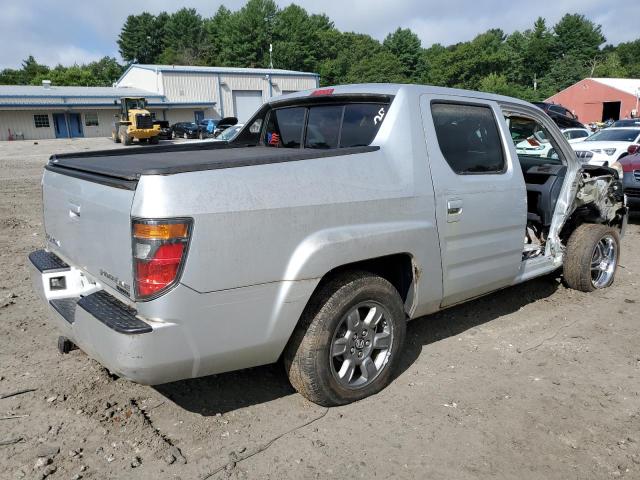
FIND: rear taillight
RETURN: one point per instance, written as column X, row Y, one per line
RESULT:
column 159, row 251
column 632, row 149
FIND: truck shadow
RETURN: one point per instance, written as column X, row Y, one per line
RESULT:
column 231, row 391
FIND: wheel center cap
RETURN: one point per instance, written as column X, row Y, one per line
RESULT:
column 359, row 343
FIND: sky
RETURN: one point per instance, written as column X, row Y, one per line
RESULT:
column 77, row 31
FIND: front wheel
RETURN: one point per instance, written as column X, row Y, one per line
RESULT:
column 348, row 341
column 185, row 136
column 591, row 258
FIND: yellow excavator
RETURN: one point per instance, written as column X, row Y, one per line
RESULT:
column 134, row 121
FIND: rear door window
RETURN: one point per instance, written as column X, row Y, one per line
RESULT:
column 468, row 138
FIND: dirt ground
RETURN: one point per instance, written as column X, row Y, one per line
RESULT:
column 536, row 381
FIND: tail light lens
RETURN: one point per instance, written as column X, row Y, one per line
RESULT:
column 159, row 251
column 632, row 149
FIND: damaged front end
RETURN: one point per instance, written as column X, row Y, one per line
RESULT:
column 599, row 199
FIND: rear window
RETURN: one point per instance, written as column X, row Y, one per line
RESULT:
column 324, row 126
column 285, row 127
column 573, row 134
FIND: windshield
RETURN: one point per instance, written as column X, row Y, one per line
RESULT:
column 230, row 132
column 614, row 135
column 136, row 103
column 626, row 123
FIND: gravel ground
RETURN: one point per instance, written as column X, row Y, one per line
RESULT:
column 536, row 381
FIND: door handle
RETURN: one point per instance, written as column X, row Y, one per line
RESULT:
column 74, row 210
column 454, row 210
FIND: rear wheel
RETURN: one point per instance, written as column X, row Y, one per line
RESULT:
column 201, row 136
column 154, row 140
column 591, row 258
column 348, row 341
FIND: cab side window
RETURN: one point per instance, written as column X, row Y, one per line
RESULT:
column 284, row 127
column 468, row 138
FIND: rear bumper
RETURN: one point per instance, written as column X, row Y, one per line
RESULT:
column 105, row 328
column 183, row 334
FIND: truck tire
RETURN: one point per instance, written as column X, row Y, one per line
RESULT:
column 591, row 257
column 125, row 138
column 154, row 140
column 348, row 341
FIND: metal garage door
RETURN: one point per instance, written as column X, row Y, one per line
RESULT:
column 245, row 103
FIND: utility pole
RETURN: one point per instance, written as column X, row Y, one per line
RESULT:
column 270, row 56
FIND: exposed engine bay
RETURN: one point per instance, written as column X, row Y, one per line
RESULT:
column 599, row 198
column 562, row 191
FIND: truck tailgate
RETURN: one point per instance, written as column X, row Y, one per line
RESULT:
column 89, row 224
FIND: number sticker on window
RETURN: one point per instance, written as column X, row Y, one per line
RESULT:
column 378, row 118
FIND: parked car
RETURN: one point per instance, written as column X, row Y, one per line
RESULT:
column 575, row 135
column 563, row 117
column 207, row 127
column 185, row 130
column 229, row 133
column 223, row 124
column 535, row 144
column 609, row 145
column 339, row 214
column 627, row 122
column 166, row 132
column 631, row 168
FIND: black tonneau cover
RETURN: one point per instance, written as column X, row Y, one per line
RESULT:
column 130, row 164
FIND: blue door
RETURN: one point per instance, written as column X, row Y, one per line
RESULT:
column 75, row 125
column 60, row 124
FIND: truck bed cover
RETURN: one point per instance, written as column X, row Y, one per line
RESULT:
column 131, row 163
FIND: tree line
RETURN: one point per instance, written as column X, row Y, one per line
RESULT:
column 532, row 64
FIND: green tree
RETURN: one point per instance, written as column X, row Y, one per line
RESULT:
column 610, row 66
column 142, row 38
column 183, row 38
column 563, row 73
column 248, row 35
column 215, row 32
column 297, row 38
column 629, row 54
column 382, row 67
column 406, row 46
column 465, row 64
column 30, row 69
column 578, row 37
column 345, row 51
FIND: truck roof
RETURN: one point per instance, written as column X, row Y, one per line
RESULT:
column 397, row 88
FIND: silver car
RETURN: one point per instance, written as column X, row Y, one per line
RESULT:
column 331, row 219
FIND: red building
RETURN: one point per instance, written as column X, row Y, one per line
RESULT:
column 600, row 99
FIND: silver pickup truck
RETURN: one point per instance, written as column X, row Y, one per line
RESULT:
column 332, row 218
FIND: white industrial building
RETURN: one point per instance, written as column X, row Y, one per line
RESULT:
column 174, row 93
